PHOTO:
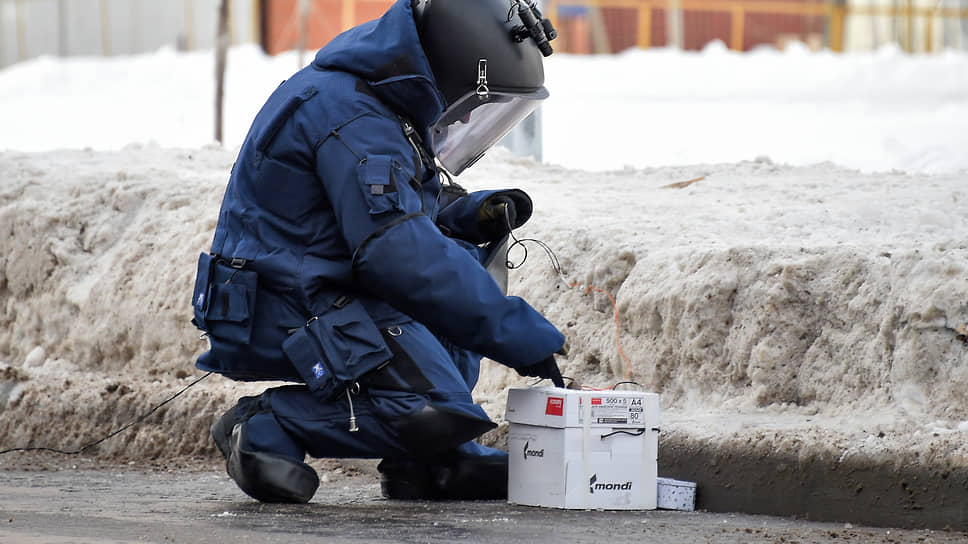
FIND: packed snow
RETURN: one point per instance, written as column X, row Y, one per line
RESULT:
column 784, row 234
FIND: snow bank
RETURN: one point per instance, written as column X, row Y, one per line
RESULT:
column 96, row 261
column 816, row 301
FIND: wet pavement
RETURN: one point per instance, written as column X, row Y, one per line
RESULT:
column 123, row 505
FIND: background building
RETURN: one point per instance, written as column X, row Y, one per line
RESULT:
column 32, row 28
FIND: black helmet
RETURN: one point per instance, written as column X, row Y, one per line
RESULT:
column 486, row 56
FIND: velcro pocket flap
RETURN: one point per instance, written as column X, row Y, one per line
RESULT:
column 351, row 341
column 379, row 184
column 229, row 303
column 336, row 349
column 307, row 358
column 200, row 293
column 377, row 175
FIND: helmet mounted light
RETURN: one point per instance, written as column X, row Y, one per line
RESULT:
column 534, row 26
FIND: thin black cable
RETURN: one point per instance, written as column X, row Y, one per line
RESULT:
column 513, row 4
column 511, row 265
column 450, row 182
column 112, row 434
column 555, row 263
column 573, row 383
column 639, row 432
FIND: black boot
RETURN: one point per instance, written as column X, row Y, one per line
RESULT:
column 449, row 477
column 263, row 476
column 221, row 430
column 405, row 479
column 267, row 477
column 472, row 478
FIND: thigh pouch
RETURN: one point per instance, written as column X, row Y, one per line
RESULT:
column 333, row 350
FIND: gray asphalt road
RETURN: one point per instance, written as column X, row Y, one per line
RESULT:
column 101, row 506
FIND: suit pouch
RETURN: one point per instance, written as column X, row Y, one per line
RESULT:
column 223, row 301
column 336, row 348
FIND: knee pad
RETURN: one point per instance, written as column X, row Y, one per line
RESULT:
column 267, row 477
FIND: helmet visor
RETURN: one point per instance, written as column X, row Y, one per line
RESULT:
column 472, row 124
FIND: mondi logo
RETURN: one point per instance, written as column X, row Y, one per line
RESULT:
column 532, row 453
column 594, row 485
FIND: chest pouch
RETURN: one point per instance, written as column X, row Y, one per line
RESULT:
column 333, row 350
column 223, row 300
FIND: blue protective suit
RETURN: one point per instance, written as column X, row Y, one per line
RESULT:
column 328, row 198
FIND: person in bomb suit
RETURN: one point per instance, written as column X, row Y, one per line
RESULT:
column 342, row 261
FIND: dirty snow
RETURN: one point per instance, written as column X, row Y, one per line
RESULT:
column 760, row 299
column 776, row 307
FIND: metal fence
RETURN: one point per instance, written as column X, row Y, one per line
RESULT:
column 609, row 26
column 30, row 28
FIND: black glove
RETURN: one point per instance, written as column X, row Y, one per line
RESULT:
column 449, row 194
column 547, row 369
column 502, row 211
column 495, row 217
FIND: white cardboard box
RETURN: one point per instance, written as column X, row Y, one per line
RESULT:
column 583, row 449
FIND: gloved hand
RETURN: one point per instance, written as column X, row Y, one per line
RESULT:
column 496, row 216
column 547, row 369
column 502, row 211
column 449, row 193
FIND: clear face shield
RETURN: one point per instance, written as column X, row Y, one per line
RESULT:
column 472, row 124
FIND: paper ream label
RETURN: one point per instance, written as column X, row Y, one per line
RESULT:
column 612, row 410
column 555, row 406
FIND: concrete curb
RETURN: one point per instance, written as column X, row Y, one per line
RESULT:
column 820, row 487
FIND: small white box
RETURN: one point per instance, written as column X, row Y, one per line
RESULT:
column 583, row 449
column 676, row 494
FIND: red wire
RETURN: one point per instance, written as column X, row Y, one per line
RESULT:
column 618, row 337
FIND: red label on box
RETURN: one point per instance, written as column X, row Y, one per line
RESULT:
column 555, row 406
column 597, row 401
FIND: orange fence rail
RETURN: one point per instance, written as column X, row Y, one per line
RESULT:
column 29, row 28
column 730, row 21
column 608, row 26
column 282, row 21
